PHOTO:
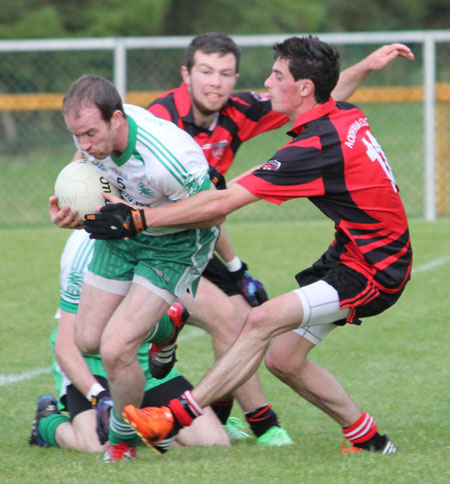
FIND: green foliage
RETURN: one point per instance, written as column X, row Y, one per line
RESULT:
column 24, row 19
column 245, row 16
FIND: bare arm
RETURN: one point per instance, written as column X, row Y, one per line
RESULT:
column 69, row 356
column 224, row 246
column 204, row 206
column 351, row 78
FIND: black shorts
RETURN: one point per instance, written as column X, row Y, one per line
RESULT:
column 77, row 403
column 216, row 272
column 162, row 394
column 366, row 299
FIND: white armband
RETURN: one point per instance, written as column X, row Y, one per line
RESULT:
column 234, row 264
column 96, row 388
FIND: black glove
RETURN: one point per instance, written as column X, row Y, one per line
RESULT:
column 115, row 221
column 252, row 289
column 217, row 178
column 103, row 404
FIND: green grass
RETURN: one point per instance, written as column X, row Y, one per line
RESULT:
column 395, row 366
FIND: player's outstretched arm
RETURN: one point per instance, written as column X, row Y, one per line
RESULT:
column 207, row 206
column 354, row 76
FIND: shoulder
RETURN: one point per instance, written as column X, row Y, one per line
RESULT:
column 148, row 122
column 253, row 105
column 249, row 97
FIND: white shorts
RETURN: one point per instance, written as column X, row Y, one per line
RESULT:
column 320, row 303
column 122, row 287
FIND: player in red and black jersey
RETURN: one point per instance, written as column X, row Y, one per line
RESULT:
column 243, row 116
column 334, row 160
column 220, row 120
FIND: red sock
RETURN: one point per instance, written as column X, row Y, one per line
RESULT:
column 362, row 430
column 185, row 409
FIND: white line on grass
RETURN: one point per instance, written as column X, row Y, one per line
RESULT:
column 194, row 333
column 431, row 265
column 26, row 375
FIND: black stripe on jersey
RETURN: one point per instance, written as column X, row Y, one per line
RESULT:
column 345, row 106
column 290, row 173
column 397, row 271
column 168, row 104
column 244, row 103
column 227, row 123
column 337, row 194
column 362, row 232
column 392, row 248
column 370, row 240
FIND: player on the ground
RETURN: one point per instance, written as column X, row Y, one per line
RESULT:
column 334, row 160
column 220, row 120
column 82, row 382
column 131, row 283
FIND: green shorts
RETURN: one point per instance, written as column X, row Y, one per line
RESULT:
column 173, row 262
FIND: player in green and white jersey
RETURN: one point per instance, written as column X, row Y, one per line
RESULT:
column 84, row 395
column 132, row 282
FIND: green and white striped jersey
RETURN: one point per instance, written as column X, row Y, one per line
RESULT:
column 162, row 164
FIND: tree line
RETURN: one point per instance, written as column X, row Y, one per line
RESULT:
column 28, row 19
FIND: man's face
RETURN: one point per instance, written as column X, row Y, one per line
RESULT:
column 211, row 80
column 283, row 90
column 96, row 136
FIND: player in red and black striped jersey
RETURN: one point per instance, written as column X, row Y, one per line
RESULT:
column 334, row 160
column 220, row 120
column 243, row 116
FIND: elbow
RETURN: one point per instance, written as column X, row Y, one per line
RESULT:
column 220, row 220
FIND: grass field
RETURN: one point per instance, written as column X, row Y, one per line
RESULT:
column 396, row 366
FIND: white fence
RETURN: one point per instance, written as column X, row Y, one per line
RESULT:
column 424, row 41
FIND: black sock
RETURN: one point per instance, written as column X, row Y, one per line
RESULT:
column 261, row 420
column 222, row 408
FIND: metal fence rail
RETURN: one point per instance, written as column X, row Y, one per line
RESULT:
column 34, row 68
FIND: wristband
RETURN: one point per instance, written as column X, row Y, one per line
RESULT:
column 96, row 388
column 234, row 264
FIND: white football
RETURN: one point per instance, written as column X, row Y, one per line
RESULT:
column 80, row 186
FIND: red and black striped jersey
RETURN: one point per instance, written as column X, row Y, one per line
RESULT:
column 334, row 160
column 245, row 115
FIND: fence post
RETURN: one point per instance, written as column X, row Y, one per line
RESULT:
column 429, row 70
column 120, row 67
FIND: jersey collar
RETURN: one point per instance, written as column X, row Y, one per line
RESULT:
column 183, row 103
column 311, row 115
column 132, row 133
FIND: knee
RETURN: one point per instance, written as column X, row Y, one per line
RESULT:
column 284, row 366
column 112, row 354
column 225, row 324
column 85, row 344
column 259, row 323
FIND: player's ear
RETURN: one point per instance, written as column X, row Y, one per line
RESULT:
column 116, row 118
column 185, row 74
column 306, row 87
